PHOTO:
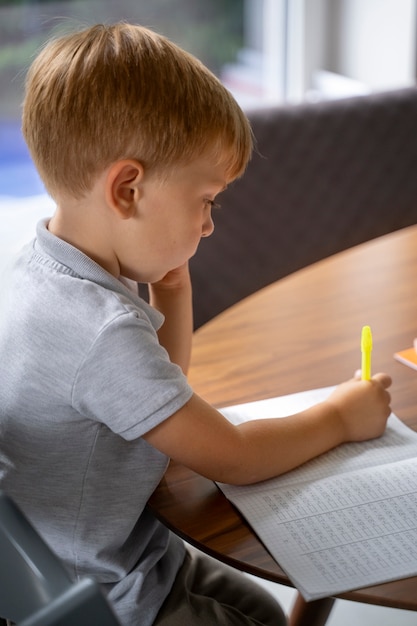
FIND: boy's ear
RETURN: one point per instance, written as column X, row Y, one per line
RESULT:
column 122, row 187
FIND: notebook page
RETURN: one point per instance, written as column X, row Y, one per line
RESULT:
column 340, row 533
column 343, row 521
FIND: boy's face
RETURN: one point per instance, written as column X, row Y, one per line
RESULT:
column 171, row 218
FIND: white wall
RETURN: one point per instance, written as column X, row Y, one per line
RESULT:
column 377, row 42
column 311, row 49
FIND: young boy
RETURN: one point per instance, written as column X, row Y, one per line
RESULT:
column 134, row 139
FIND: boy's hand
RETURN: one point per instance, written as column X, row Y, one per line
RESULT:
column 363, row 407
column 172, row 296
column 174, row 279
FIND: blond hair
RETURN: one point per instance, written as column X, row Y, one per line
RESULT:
column 119, row 91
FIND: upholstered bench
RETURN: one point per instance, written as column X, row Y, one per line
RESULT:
column 324, row 177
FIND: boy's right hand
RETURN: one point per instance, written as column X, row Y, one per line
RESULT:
column 363, row 407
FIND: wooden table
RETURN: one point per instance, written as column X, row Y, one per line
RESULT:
column 299, row 333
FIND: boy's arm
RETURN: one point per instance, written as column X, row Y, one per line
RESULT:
column 172, row 296
column 199, row 437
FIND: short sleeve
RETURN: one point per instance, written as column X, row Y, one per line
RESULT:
column 127, row 381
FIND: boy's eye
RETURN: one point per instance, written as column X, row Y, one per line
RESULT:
column 213, row 204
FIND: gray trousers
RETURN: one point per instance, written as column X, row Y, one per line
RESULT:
column 209, row 593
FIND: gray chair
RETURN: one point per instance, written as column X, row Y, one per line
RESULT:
column 35, row 588
column 324, row 177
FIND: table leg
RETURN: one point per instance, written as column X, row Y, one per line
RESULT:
column 313, row 613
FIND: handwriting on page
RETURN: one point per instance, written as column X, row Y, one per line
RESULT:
column 345, row 529
column 345, row 520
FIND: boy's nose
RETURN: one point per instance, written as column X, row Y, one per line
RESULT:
column 208, row 227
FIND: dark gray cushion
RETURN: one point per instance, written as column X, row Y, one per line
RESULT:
column 324, row 177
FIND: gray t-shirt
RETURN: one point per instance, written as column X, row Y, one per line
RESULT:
column 83, row 377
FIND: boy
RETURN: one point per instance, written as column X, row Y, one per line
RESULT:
column 134, row 139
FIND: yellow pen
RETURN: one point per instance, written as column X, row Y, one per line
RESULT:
column 366, row 349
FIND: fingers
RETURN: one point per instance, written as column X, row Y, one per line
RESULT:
column 383, row 379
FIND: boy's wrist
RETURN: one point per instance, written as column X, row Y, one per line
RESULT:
column 336, row 426
column 176, row 280
column 169, row 290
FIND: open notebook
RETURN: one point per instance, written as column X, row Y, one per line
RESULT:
column 345, row 520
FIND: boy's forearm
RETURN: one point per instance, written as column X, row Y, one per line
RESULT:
column 175, row 335
column 301, row 438
column 250, row 452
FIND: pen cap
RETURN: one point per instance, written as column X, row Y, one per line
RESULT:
column 366, row 339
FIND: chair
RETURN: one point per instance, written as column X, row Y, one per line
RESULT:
column 324, row 177
column 35, row 589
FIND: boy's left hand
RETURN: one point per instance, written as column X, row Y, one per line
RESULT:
column 175, row 279
column 172, row 296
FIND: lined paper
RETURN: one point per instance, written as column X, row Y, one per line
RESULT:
column 345, row 520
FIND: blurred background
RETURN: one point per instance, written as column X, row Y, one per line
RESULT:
column 265, row 51
column 212, row 30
